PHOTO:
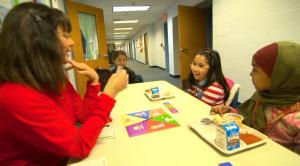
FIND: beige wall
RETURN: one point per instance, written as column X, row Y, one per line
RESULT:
column 157, row 52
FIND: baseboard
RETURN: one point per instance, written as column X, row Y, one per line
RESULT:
column 175, row 76
column 138, row 61
column 157, row 67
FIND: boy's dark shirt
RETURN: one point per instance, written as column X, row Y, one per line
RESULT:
column 131, row 74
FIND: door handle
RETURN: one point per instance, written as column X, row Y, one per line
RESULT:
column 184, row 50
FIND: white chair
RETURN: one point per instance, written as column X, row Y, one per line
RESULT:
column 233, row 96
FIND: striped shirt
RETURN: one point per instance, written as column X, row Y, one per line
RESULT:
column 212, row 95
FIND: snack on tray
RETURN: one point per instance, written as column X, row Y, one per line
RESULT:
column 237, row 118
column 229, row 117
column 249, row 138
column 218, row 119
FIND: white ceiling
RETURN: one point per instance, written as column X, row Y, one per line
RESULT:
column 158, row 7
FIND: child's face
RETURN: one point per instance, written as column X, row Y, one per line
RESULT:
column 66, row 42
column 121, row 60
column 199, row 67
column 260, row 79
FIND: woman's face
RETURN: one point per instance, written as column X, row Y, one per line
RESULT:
column 199, row 67
column 121, row 60
column 66, row 41
column 260, row 79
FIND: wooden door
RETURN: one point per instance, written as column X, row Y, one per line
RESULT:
column 192, row 36
column 98, row 48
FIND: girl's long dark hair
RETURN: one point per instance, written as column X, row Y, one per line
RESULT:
column 30, row 51
column 214, row 73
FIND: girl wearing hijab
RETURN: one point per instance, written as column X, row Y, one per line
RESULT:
column 274, row 108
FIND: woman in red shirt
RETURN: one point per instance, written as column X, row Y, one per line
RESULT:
column 39, row 108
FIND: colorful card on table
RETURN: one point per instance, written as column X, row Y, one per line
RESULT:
column 139, row 123
column 170, row 107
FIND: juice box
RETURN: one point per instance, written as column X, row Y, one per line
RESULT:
column 228, row 136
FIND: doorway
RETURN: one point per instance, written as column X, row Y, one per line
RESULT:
column 166, row 46
column 207, row 6
column 146, row 48
column 192, row 26
column 89, row 36
column 176, row 46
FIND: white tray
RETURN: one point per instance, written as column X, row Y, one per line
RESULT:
column 161, row 97
column 208, row 133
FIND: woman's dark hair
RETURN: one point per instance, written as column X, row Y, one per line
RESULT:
column 117, row 53
column 30, row 51
column 214, row 73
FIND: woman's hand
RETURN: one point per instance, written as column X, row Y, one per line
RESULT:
column 116, row 83
column 220, row 109
column 84, row 69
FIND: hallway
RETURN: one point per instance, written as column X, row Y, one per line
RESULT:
column 152, row 73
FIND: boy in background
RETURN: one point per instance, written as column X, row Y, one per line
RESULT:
column 120, row 61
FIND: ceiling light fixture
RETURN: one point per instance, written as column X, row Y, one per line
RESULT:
column 126, row 21
column 121, row 33
column 119, row 37
column 130, row 8
column 121, row 29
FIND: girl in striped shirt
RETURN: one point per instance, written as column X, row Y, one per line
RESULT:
column 206, row 80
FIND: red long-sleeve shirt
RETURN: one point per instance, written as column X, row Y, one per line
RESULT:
column 40, row 129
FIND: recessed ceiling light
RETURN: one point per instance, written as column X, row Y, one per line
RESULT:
column 121, row 33
column 121, row 29
column 130, row 8
column 126, row 21
column 117, row 37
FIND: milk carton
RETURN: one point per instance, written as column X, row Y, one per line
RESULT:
column 228, row 136
column 155, row 92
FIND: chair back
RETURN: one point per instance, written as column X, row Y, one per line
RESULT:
column 185, row 84
column 137, row 79
column 104, row 75
column 233, row 96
